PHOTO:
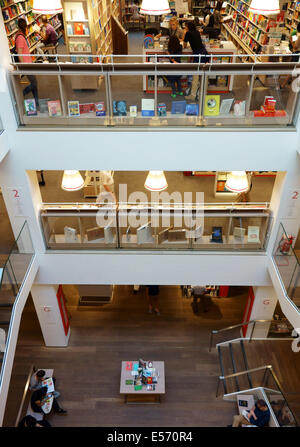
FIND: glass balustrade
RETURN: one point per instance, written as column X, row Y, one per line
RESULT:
column 233, row 227
column 12, row 277
column 149, row 91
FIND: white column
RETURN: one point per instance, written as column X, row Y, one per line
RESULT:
column 49, row 315
column 263, row 309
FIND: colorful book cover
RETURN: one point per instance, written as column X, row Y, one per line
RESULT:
column 73, row 108
column 192, row 109
column 100, row 108
column 212, row 105
column 78, row 29
column 162, row 109
column 30, row 107
column 128, row 382
column 138, row 387
column 147, row 107
column 86, row 108
column 43, row 103
column 178, row 107
column 128, row 366
column 133, row 111
column 70, row 30
column 119, row 108
column 54, row 108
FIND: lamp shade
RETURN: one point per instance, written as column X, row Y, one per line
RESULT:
column 72, row 181
column 265, row 7
column 237, row 182
column 156, row 181
column 46, row 7
column 155, row 7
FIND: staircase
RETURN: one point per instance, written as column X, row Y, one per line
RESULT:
column 233, row 359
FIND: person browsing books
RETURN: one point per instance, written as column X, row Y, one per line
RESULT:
column 295, row 47
column 174, row 30
column 174, row 49
column 107, row 187
column 259, row 415
column 22, row 49
column 30, row 422
column 193, row 37
column 48, row 36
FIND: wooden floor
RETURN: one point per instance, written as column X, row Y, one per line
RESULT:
column 88, row 371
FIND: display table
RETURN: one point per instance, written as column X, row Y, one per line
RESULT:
column 142, row 396
column 226, row 49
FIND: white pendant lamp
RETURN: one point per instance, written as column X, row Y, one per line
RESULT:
column 72, row 181
column 265, row 7
column 155, row 7
column 47, row 7
column 156, row 181
column 237, row 182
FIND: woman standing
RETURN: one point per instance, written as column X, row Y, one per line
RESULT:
column 174, row 49
column 22, row 49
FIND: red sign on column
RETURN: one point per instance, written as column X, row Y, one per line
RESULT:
column 63, row 310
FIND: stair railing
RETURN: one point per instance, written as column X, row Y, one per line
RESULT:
column 268, row 371
column 253, row 322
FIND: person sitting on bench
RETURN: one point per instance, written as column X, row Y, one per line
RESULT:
column 37, row 401
column 259, row 415
column 36, row 381
column 30, row 421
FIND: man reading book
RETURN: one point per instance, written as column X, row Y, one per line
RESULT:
column 259, row 416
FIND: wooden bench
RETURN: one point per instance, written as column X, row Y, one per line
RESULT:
column 27, row 396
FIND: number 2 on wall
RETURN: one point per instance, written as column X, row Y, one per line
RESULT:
column 16, row 193
column 295, row 195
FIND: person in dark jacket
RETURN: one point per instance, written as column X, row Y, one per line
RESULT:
column 37, row 401
column 174, row 49
column 30, row 421
column 153, row 292
column 259, row 415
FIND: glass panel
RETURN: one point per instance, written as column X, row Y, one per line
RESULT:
column 132, row 103
column 226, row 100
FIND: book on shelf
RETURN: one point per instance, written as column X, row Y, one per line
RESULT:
column 212, row 105
column 162, row 109
column 147, row 107
column 192, row 109
column 133, row 111
column 100, row 108
column 239, row 232
column 86, row 108
column 54, row 108
column 73, row 108
column 30, row 107
column 239, row 108
column 86, row 29
column 253, row 235
column 128, row 382
column 226, row 106
column 43, row 103
column 70, row 29
column 119, row 108
column 178, row 107
column 78, row 29
column 216, row 235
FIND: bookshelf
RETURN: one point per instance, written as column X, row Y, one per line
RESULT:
column 252, row 31
column 13, row 10
column 292, row 17
column 199, row 5
column 126, row 6
column 89, row 32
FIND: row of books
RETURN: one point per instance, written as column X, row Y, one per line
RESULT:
column 78, row 29
column 53, row 108
column 78, row 47
column 14, row 10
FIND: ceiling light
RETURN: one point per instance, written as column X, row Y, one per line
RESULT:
column 156, row 181
column 237, row 181
column 155, row 7
column 47, row 7
column 265, row 7
column 72, row 181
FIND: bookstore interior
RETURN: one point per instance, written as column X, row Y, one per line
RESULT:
column 165, row 210
column 94, row 31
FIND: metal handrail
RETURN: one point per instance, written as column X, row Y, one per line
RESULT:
column 267, row 368
column 216, row 331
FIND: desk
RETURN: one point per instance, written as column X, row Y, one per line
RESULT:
column 224, row 84
column 142, row 396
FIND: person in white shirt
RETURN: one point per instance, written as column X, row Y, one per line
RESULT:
column 107, row 187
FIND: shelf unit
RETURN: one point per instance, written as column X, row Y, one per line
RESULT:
column 292, row 17
column 198, row 5
column 252, row 31
column 126, row 6
column 13, row 10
